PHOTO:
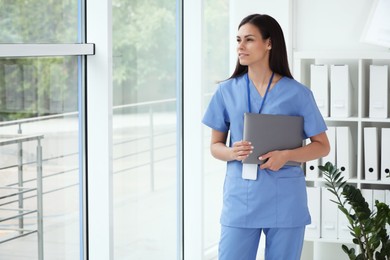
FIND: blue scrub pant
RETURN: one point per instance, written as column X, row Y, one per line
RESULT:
column 242, row 243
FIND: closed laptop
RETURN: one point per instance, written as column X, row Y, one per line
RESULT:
column 272, row 132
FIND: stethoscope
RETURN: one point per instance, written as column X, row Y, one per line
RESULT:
column 265, row 95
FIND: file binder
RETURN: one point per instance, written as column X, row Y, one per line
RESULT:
column 329, row 216
column 379, row 93
column 343, row 231
column 319, row 85
column 312, row 171
column 385, row 153
column 387, row 200
column 371, row 153
column 331, row 157
column 344, row 151
column 314, row 203
column 340, row 91
column 387, row 197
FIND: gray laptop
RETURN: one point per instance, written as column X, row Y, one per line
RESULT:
column 272, row 132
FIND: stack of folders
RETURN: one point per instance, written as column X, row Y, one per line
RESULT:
column 379, row 92
column 341, row 154
column 376, row 153
column 327, row 221
column 335, row 101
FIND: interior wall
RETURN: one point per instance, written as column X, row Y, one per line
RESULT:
column 331, row 25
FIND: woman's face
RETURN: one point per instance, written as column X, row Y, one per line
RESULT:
column 251, row 48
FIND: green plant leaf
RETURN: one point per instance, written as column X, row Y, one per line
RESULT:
column 358, row 231
column 349, row 251
column 368, row 229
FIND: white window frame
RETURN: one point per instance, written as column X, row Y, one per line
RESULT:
column 192, row 130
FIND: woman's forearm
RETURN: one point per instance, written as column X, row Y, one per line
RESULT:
column 221, row 151
column 312, row 151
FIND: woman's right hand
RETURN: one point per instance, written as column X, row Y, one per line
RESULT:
column 241, row 150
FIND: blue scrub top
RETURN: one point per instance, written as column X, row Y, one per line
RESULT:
column 276, row 198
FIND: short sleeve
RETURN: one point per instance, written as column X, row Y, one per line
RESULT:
column 314, row 123
column 216, row 116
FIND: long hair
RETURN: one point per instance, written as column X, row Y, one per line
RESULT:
column 269, row 28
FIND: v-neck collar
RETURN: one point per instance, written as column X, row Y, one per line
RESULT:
column 255, row 96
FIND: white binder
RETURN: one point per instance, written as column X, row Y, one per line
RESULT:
column 319, row 85
column 379, row 93
column 314, row 203
column 385, row 154
column 387, row 197
column 371, row 153
column 312, row 171
column 331, row 157
column 328, row 215
column 343, row 231
column 340, row 91
column 387, row 200
column 344, row 151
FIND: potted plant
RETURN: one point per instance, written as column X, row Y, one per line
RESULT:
column 368, row 227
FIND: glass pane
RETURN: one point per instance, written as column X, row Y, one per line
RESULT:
column 39, row 108
column 145, row 182
column 39, row 21
column 216, row 68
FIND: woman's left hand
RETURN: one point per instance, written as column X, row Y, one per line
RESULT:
column 273, row 160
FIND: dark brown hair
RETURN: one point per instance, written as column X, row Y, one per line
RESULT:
column 269, row 29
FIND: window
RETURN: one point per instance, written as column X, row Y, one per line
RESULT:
column 144, row 129
column 41, row 86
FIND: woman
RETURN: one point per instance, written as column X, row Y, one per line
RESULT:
column 275, row 203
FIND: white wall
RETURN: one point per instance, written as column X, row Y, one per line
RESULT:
column 331, row 25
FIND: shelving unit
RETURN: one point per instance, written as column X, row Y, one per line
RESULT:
column 359, row 72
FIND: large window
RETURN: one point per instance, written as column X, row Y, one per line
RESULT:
column 42, row 134
column 144, row 129
column 40, row 130
column 39, row 109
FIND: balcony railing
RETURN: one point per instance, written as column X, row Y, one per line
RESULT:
column 144, row 135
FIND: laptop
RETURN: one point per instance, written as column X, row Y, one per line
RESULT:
column 272, row 132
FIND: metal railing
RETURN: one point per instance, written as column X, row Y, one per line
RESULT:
column 150, row 136
column 147, row 138
column 20, row 190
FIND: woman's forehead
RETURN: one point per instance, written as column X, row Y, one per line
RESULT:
column 248, row 29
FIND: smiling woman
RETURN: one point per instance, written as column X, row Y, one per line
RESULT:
column 275, row 201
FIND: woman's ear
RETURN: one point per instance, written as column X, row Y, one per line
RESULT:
column 269, row 45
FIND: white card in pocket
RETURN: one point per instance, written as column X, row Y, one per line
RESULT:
column 249, row 171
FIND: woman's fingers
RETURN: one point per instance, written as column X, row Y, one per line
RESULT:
column 242, row 149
